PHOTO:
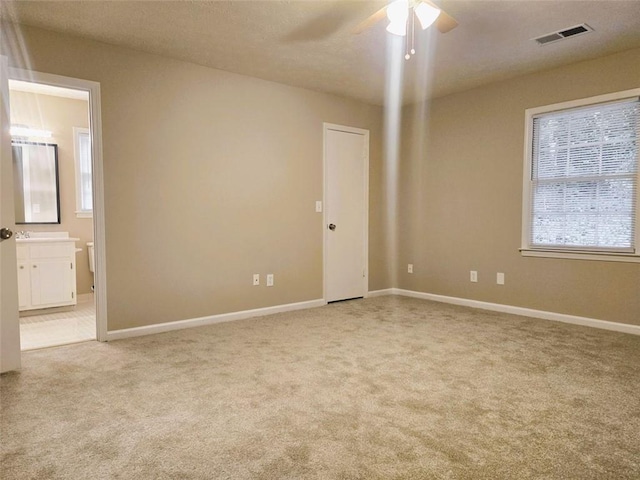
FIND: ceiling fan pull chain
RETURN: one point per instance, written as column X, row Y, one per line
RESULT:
column 413, row 33
column 407, row 56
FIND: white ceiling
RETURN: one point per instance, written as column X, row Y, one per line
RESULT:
column 309, row 43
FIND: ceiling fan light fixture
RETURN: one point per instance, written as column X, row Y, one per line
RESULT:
column 427, row 14
column 398, row 14
column 398, row 28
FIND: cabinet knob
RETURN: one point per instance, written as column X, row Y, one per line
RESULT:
column 35, row 266
column 21, row 267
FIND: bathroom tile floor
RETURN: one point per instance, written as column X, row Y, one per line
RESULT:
column 61, row 328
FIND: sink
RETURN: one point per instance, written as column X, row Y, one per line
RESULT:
column 44, row 237
column 48, row 234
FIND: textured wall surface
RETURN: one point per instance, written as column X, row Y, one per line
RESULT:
column 461, row 201
column 209, row 178
column 212, row 176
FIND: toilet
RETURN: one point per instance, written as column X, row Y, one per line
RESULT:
column 92, row 258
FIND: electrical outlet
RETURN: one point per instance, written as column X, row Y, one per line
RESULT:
column 410, row 268
column 256, row 279
column 473, row 276
column 500, row 278
column 269, row 279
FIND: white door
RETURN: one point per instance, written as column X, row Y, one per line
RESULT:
column 346, row 160
column 9, row 322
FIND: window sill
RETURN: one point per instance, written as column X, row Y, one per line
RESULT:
column 602, row 257
column 84, row 214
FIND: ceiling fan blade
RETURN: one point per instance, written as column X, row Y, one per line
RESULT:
column 370, row 21
column 445, row 22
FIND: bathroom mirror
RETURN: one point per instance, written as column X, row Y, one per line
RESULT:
column 35, row 182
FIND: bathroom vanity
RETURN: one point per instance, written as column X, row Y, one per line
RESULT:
column 46, row 270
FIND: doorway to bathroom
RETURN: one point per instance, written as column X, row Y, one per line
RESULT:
column 51, row 139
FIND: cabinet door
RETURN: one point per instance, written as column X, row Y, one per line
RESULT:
column 24, row 286
column 51, row 282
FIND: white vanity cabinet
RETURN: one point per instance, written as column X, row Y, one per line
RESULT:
column 46, row 272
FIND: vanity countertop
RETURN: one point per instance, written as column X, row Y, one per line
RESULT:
column 46, row 237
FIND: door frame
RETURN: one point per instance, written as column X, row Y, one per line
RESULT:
column 95, row 127
column 325, row 189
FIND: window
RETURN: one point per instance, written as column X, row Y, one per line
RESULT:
column 82, row 153
column 581, row 179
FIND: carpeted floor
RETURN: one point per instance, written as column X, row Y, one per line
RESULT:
column 383, row 388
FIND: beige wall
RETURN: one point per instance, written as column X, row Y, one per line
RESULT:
column 212, row 176
column 461, row 198
column 209, row 178
column 60, row 115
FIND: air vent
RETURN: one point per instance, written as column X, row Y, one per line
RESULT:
column 570, row 32
column 562, row 34
column 553, row 37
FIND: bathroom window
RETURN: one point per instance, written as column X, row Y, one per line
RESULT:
column 84, row 191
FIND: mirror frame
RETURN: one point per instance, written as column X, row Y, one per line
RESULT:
column 15, row 142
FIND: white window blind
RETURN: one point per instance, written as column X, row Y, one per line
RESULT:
column 84, row 184
column 86, row 197
column 584, row 177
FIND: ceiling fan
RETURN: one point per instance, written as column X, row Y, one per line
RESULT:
column 402, row 16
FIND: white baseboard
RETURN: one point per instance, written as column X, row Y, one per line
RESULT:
column 210, row 320
column 259, row 312
column 526, row 312
column 380, row 293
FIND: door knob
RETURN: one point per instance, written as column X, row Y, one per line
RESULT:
column 5, row 233
column 332, row 227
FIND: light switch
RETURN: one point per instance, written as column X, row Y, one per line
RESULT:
column 500, row 278
column 318, row 206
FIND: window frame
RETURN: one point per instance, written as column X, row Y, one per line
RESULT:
column 80, row 212
column 527, row 250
